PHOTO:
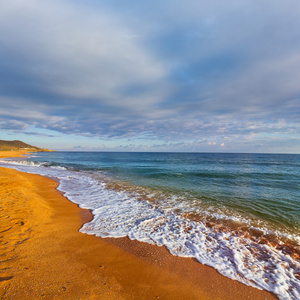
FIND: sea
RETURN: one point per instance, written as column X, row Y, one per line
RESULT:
column 238, row 213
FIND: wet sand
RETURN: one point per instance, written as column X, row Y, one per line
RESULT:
column 43, row 256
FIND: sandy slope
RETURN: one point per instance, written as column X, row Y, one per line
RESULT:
column 43, row 256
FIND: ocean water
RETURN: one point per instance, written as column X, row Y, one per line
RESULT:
column 238, row 213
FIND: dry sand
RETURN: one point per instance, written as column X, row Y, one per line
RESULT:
column 43, row 256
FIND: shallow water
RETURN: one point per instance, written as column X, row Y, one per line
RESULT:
column 239, row 213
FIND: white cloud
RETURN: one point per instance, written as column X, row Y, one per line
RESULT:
column 79, row 52
column 160, row 70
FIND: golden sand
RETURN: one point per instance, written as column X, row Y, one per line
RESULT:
column 43, row 256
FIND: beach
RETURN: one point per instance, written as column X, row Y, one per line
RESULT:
column 44, row 256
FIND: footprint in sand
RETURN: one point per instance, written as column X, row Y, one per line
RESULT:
column 5, row 229
column 6, row 278
column 18, row 222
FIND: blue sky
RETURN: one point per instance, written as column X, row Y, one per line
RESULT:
column 216, row 76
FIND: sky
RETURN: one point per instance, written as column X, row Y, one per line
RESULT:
column 115, row 75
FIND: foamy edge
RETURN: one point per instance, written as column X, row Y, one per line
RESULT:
column 118, row 214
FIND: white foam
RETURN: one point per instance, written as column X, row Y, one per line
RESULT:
column 119, row 214
column 27, row 163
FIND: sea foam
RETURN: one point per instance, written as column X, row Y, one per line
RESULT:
column 119, row 213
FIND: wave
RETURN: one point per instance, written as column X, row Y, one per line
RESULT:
column 29, row 163
column 237, row 246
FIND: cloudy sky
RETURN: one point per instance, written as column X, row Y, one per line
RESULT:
column 205, row 75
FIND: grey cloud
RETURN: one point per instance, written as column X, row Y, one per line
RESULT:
column 73, row 54
column 13, row 125
column 168, row 70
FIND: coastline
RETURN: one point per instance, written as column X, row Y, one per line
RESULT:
column 45, row 256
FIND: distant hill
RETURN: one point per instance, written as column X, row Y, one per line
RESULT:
column 20, row 146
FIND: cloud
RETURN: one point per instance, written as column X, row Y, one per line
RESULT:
column 69, row 54
column 171, row 71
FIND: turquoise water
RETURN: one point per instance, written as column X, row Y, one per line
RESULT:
column 266, row 186
column 239, row 213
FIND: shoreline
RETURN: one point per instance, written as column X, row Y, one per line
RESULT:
column 47, row 257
